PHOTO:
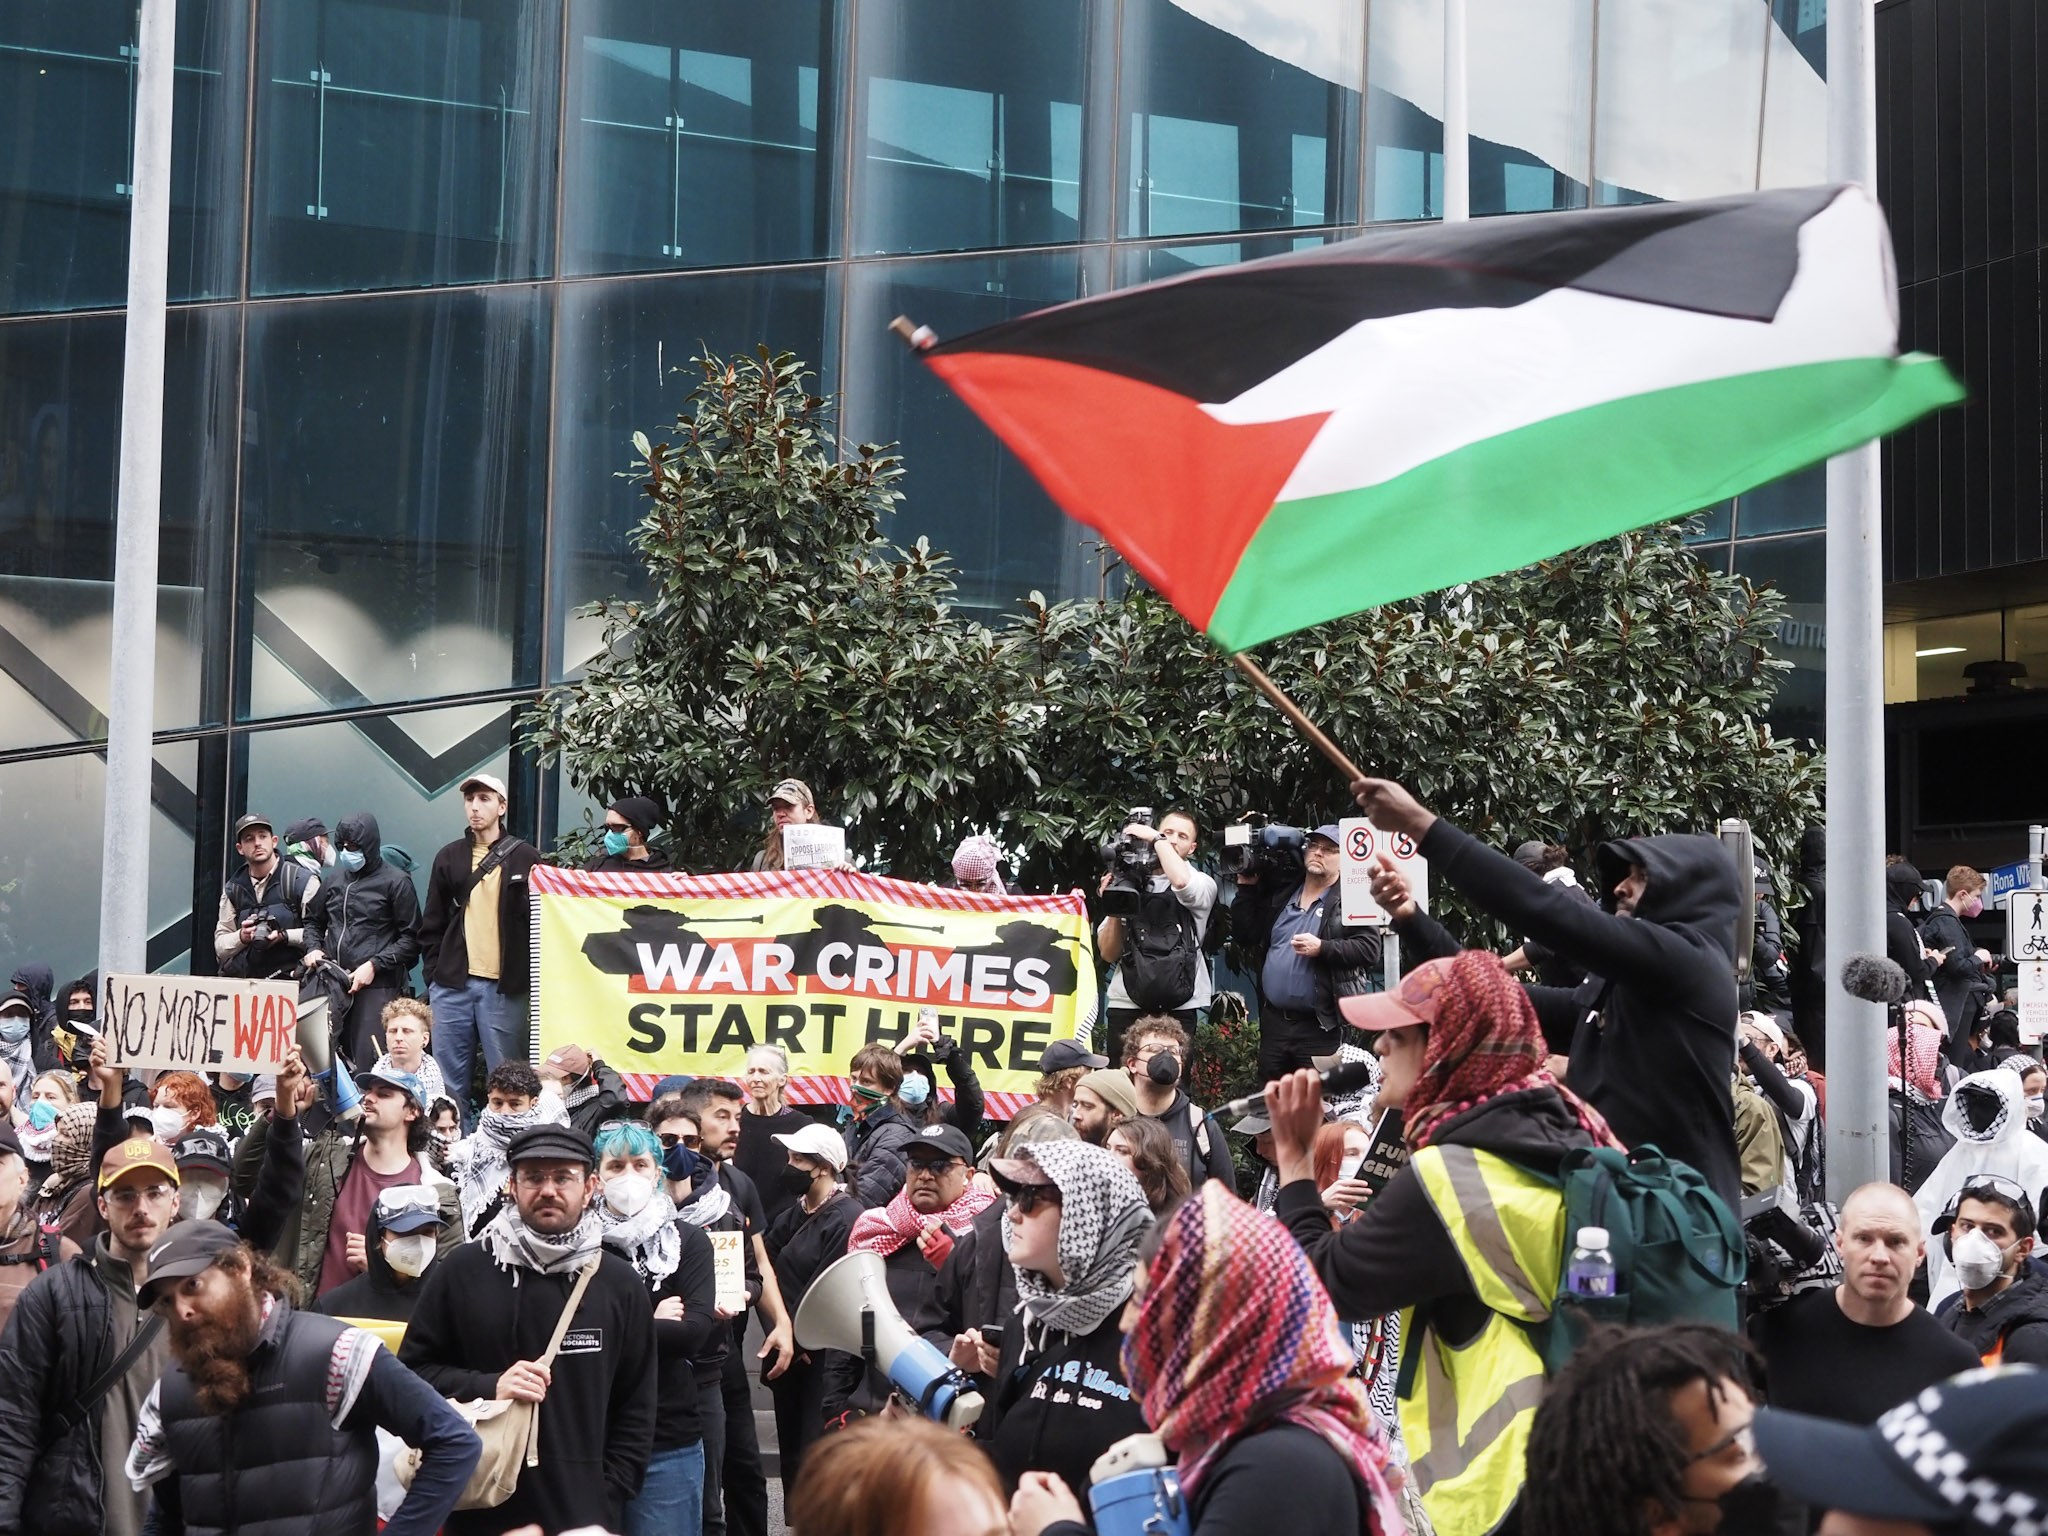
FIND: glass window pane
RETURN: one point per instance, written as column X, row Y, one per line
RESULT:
column 1404, row 109
column 67, row 95
column 1797, row 502
column 1148, row 263
column 963, row 489
column 52, row 808
column 1239, row 114
column 970, row 124
column 1529, row 69
column 60, row 431
column 1680, row 95
column 404, row 143
column 693, row 133
column 406, row 770
column 395, row 453
column 1798, row 569
column 1943, row 647
column 2026, row 642
column 1711, row 524
column 1795, row 148
column 625, row 367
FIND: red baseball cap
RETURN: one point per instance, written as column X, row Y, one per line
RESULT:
column 1415, row 1001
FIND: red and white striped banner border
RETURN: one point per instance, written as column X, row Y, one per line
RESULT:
column 812, row 884
column 829, row 1090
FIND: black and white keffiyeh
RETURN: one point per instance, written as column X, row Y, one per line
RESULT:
column 478, row 1163
column 512, row 1244
column 1103, row 1215
column 648, row 1241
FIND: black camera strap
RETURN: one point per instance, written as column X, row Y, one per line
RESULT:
column 491, row 860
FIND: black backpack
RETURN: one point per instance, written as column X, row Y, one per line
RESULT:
column 1160, row 953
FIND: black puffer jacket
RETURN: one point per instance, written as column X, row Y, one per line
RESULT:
column 2011, row 1328
column 373, row 914
column 875, row 1169
column 1651, row 1033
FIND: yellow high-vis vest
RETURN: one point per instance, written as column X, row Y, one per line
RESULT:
column 1467, row 1412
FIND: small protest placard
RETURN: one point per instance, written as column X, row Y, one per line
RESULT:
column 1360, row 846
column 811, row 845
column 200, row 1023
column 1388, row 1152
column 729, row 1271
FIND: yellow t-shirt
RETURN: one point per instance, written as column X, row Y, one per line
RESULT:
column 480, row 918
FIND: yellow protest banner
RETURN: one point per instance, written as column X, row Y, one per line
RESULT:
column 661, row 974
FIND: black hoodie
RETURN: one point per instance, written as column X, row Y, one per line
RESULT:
column 1901, row 938
column 372, row 914
column 2012, row 1326
column 1651, row 1034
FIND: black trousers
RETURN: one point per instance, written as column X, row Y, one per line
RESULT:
column 1291, row 1038
column 362, row 1039
column 1117, row 1020
column 799, row 1415
column 742, row 1485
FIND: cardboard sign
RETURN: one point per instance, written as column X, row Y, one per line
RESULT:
column 1360, row 846
column 809, row 845
column 200, row 1023
column 2033, row 1008
column 729, row 1261
column 2026, row 925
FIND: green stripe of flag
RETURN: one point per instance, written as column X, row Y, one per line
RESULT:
column 1510, row 500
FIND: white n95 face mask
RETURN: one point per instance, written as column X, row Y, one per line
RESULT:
column 198, row 1201
column 1978, row 1260
column 628, row 1193
column 411, row 1254
column 168, row 1121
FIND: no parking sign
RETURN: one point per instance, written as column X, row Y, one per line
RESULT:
column 1360, row 846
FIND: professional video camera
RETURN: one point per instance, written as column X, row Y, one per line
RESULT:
column 1259, row 846
column 1131, row 862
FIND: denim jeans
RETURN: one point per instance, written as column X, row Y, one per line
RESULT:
column 466, row 1017
column 671, row 1498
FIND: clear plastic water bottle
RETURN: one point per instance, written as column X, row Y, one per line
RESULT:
column 1591, row 1270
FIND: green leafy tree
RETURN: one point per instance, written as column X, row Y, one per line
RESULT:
column 1618, row 689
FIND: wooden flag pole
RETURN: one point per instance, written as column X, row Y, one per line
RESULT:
column 1292, row 711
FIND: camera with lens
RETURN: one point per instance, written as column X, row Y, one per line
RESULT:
column 1131, row 862
column 1259, row 846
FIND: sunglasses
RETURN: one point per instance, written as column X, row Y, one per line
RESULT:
column 1029, row 1197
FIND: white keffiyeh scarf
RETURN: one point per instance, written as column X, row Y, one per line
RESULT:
column 478, row 1163
column 512, row 1244
column 648, row 1241
column 1103, row 1215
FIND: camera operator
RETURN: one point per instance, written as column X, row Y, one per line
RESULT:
column 261, row 930
column 1158, row 940
column 1296, row 922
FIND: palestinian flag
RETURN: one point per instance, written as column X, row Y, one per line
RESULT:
column 1291, row 440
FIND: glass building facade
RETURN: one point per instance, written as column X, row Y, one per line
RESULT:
column 432, row 261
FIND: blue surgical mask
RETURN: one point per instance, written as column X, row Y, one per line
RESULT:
column 42, row 1114
column 914, row 1091
column 616, row 843
column 351, row 859
column 14, row 1028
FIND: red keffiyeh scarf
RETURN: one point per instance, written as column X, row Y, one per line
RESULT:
column 1236, row 1334
column 885, row 1230
column 1485, row 1043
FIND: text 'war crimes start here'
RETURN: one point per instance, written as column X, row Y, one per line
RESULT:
column 909, row 976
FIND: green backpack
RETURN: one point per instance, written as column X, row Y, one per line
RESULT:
column 1678, row 1250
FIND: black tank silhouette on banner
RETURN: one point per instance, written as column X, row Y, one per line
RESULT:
column 618, row 953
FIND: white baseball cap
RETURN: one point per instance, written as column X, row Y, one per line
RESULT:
column 488, row 781
column 816, row 1141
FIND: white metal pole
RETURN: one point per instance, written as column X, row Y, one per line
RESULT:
column 131, row 686
column 1457, row 120
column 1858, row 1114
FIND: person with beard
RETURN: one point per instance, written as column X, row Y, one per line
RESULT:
column 348, row 1167
column 1103, row 1100
column 1076, row 1216
column 1462, row 1059
column 1239, row 1361
column 78, row 1358
column 913, row 1234
column 513, row 1103
column 268, row 1416
column 715, row 1106
column 1155, row 1055
column 485, row 1318
column 591, row 1091
column 28, row 1246
column 1650, row 1035
column 402, row 1242
column 628, row 823
column 809, row 1234
column 366, row 919
column 675, row 1262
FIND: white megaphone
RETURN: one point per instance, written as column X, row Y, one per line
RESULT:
column 849, row 1307
column 315, row 1039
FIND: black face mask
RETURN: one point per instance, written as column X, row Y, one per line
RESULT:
column 78, row 1015
column 1752, row 1505
column 684, row 1164
column 795, row 1180
column 1164, row 1069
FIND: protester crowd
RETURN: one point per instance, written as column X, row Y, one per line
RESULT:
column 428, row 1281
